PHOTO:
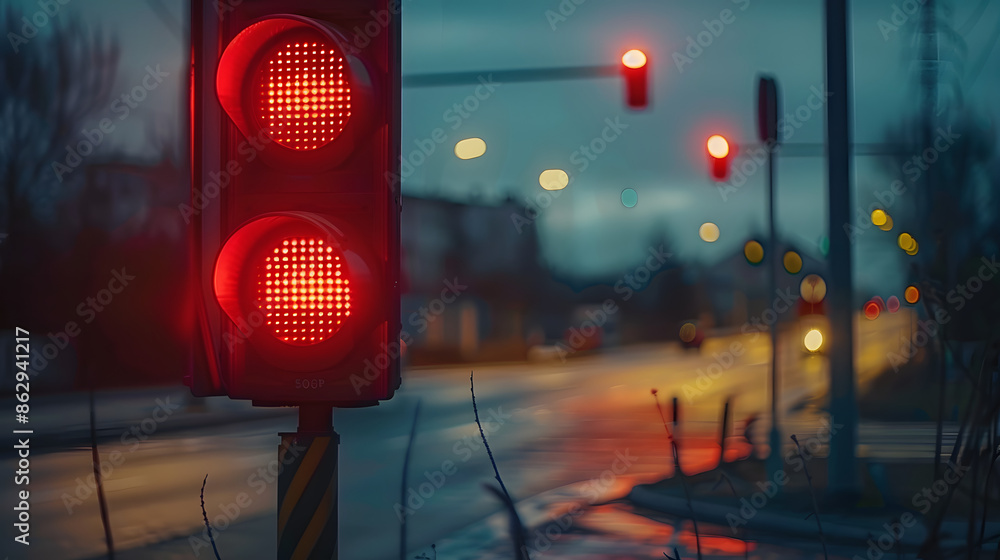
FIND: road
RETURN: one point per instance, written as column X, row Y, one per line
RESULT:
column 549, row 424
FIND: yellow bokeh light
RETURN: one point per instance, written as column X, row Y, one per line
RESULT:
column 813, row 340
column 553, row 179
column 813, row 288
column 879, row 217
column 634, row 59
column 709, row 232
column 470, row 148
column 793, row 262
column 912, row 294
column 754, row 252
column 914, row 249
column 906, row 242
column 688, row 332
column 718, row 147
column 887, row 226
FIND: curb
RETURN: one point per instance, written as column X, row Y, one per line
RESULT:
column 769, row 522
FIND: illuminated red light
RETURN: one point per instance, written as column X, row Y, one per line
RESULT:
column 718, row 146
column 304, row 290
column 634, row 59
column 872, row 310
column 304, row 94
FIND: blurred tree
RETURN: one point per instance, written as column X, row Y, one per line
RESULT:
column 951, row 200
column 49, row 87
column 56, row 79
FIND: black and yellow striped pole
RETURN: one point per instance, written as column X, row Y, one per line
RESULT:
column 307, row 488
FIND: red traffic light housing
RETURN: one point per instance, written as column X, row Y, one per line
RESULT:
column 635, row 68
column 295, row 139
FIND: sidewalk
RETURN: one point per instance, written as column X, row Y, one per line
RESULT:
column 624, row 521
column 749, row 504
column 62, row 421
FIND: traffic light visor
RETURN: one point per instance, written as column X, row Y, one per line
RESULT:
column 290, row 83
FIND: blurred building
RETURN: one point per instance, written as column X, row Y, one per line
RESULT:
column 476, row 251
column 738, row 290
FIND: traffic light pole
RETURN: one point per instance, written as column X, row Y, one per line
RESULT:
column 843, row 475
column 511, row 75
column 774, row 458
column 307, row 487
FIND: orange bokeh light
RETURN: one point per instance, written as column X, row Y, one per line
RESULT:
column 872, row 310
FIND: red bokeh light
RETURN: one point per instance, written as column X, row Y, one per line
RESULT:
column 304, row 95
column 304, row 291
column 872, row 310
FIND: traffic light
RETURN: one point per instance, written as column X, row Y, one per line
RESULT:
column 294, row 211
column 635, row 68
column 718, row 154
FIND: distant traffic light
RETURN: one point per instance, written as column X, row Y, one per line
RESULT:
column 719, row 154
column 295, row 143
column 635, row 68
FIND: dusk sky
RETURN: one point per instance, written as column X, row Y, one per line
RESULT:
column 531, row 127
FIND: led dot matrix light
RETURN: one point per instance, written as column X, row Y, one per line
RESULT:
column 305, row 292
column 304, row 96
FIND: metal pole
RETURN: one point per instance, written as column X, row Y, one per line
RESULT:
column 774, row 458
column 307, row 487
column 511, row 75
column 843, row 476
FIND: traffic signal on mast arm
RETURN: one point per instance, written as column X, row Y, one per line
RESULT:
column 719, row 153
column 635, row 68
column 294, row 213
